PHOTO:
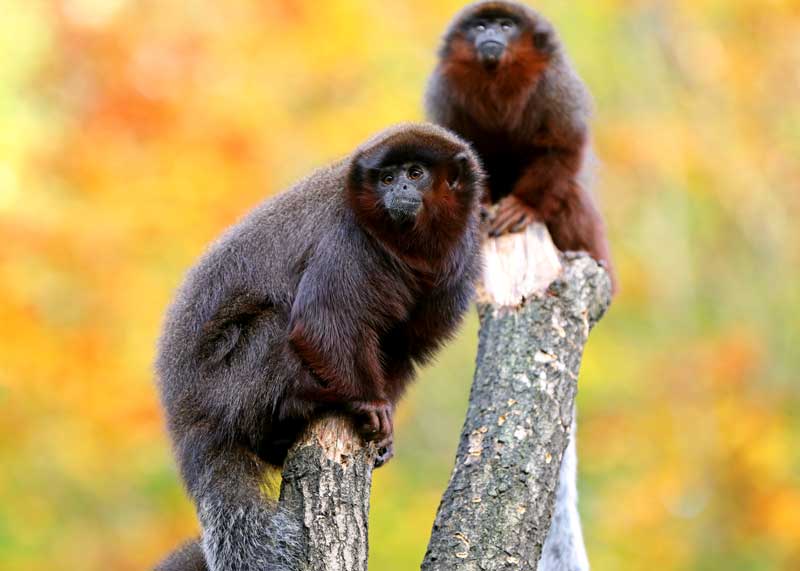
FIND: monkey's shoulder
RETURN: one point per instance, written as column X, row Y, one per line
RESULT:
column 315, row 200
column 265, row 251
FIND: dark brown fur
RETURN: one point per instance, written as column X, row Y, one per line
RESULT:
column 317, row 301
column 528, row 119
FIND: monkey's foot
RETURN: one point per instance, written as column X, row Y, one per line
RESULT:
column 374, row 422
column 512, row 215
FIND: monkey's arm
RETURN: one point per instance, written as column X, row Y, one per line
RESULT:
column 550, row 188
column 333, row 319
column 550, row 191
column 328, row 334
column 565, row 207
column 330, row 331
column 547, row 182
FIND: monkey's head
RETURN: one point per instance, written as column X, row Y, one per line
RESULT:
column 415, row 180
column 496, row 35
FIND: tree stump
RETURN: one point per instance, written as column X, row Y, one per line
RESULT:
column 326, row 485
column 536, row 309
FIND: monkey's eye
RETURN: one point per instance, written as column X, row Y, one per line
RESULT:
column 480, row 26
column 387, row 178
column 415, row 172
column 506, row 25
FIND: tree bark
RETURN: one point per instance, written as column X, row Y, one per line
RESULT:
column 496, row 511
column 326, row 485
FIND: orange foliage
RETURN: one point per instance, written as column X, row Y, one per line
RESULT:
column 133, row 132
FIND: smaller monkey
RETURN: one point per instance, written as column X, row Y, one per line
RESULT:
column 322, row 299
column 504, row 83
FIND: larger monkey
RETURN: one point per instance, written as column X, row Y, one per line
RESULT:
column 504, row 83
column 321, row 299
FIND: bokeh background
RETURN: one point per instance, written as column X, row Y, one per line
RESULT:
column 133, row 131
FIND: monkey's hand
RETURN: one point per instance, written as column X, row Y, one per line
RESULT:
column 511, row 215
column 374, row 422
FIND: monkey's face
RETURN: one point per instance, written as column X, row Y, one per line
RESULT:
column 415, row 188
column 491, row 34
column 497, row 36
column 402, row 188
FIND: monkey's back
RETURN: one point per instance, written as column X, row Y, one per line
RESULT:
column 239, row 296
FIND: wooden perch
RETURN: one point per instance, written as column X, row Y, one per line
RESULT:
column 536, row 308
column 326, row 484
column 535, row 313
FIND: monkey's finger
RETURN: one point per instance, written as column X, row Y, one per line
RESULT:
column 500, row 220
column 526, row 221
column 509, row 203
column 372, row 424
column 390, row 421
column 513, row 222
column 375, row 421
column 502, row 225
column 386, row 422
column 508, row 207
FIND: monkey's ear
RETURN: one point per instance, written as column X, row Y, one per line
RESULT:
column 543, row 39
column 360, row 170
column 457, row 169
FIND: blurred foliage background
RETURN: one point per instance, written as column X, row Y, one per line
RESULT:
column 133, row 131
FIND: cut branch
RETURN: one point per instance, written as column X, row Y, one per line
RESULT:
column 535, row 313
column 326, row 486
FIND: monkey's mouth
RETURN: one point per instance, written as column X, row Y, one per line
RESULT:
column 490, row 52
column 403, row 209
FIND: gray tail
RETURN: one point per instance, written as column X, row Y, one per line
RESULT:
column 243, row 528
column 564, row 549
column 255, row 537
column 261, row 541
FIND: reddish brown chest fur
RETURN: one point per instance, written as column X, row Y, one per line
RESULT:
column 494, row 98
